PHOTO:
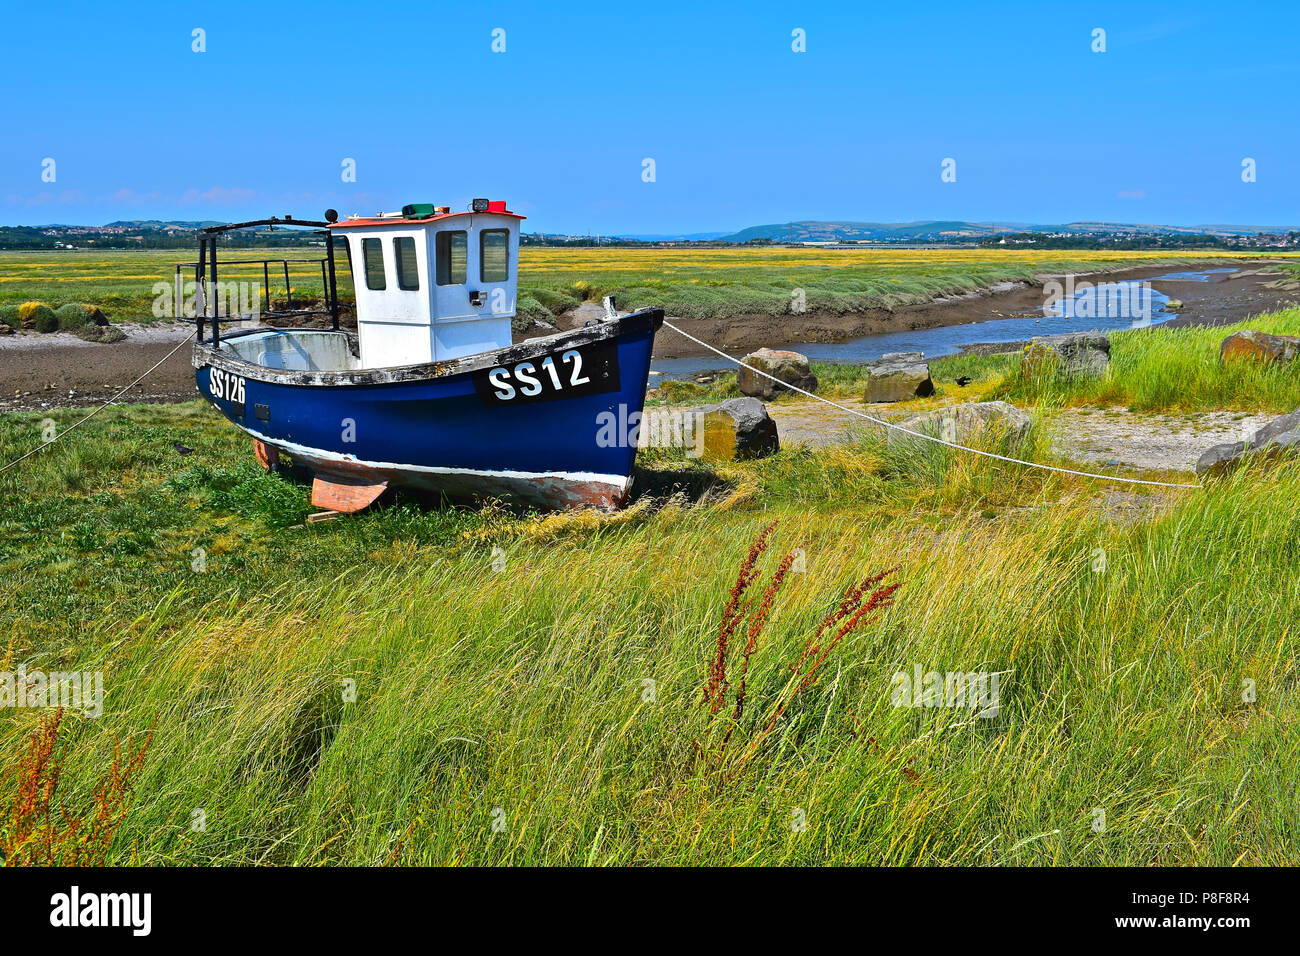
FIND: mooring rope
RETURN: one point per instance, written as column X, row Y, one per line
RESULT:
column 734, row 361
column 939, row 441
column 92, row 414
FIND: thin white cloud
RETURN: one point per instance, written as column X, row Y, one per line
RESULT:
column 66, row 197
column 218, row 196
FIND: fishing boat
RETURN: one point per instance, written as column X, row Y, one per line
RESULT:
column 430, row 392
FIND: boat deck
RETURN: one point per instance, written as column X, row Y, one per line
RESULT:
column 295, row 350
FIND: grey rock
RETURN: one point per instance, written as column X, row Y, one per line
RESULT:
column 897, row 377
column 1074, row 353
column 737, row 429
column 790, row 368
column 1278, row 437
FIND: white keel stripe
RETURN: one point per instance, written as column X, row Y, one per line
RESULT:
column 617, row 481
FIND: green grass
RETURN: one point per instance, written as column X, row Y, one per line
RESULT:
column 1290, row 272
column 520, row 696
column 1176, row 370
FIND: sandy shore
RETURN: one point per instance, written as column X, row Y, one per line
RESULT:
column 60, row 370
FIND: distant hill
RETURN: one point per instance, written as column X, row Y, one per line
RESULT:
column 677, row 237
column 841, row 231
column 159, row 224
column 958, row 230
column 135, row 234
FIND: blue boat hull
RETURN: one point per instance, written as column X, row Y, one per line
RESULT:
column 544, row 423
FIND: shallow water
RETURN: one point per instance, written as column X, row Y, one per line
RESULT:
column 1201, row 276
column 1106, row 307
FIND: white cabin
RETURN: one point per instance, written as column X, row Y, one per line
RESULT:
column 432, row 284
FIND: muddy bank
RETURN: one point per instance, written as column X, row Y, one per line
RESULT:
column 1221, row 299
column 1227, row 299
column 60, row 370
column 747, row 332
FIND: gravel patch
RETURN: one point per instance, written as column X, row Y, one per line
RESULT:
column 1146, row 440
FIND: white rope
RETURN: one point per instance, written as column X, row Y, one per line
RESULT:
column 97, row 410
column 734, row 361
column 908, row 431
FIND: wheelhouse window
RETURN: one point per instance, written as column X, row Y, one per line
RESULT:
column 372, row 254
column 494, row 259
column 451, row 250
column 408, row 270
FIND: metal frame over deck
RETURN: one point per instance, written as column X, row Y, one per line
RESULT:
column 205, row 274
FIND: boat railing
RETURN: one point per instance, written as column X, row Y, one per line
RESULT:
column 206, row 278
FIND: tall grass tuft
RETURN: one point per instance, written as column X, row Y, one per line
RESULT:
column 1175, row 370
column 857, row 607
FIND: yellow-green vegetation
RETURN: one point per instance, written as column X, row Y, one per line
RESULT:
column 708, row 283
column 369, row 690
column 41, row 316
column 686, row 282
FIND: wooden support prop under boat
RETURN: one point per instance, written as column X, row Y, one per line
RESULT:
column 338, row 494
column 346, row 493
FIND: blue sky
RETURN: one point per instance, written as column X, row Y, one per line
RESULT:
column 742, row 129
